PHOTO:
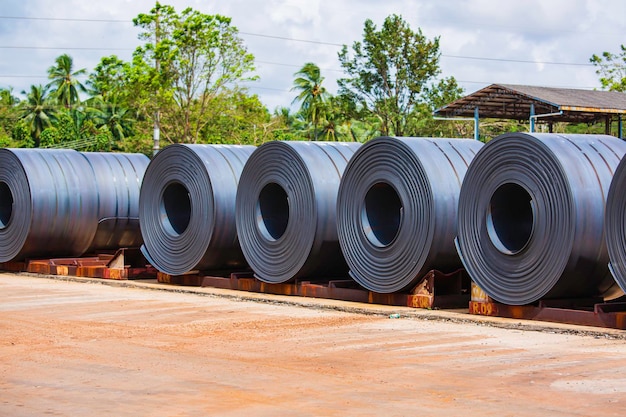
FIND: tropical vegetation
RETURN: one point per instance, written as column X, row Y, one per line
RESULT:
column 187, row 82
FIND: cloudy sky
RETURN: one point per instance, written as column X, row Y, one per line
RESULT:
column 533, row 42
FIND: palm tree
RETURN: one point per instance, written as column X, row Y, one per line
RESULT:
column 37, row 112
column 65, row 82
column 7, row 98
column 116, row 117
column 312, row 95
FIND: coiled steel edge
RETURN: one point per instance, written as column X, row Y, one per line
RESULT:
column 187, row 208
column 397, row 209
column 286, row 210
column 531, row 216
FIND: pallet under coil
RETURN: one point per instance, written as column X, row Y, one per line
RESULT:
column 583, row 312
column 125, row 263
column 435, row 290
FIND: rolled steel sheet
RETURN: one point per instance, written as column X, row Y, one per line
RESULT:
column 615, row 225
column 187, row 207
column 118, row 177
column 531, row 216
column 286, row 210
column 397, row 209
column 48, row 203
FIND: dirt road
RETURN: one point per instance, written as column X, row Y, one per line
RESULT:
column 84, row 349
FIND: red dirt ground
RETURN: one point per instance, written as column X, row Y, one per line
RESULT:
column 83, row 349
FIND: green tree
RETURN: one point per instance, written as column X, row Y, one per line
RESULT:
column 312, row 96
column 422, row 123
column 21, row 136
column 611, row 69
column 8, row 115
column 37, row 111
column 7, row 99
column 287, row 125
column 190, row 58
column 64, row 82
column 108, row 78
column 388, row 72
column 236, row 117
column 118, row 119
column 444, row 92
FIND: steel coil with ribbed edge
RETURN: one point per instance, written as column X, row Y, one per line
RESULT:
column 48, row 203
column 187, row 207
column 286, row 210
column 118, row 177
column 615, row 225
column 397, row 209
column 531, row 216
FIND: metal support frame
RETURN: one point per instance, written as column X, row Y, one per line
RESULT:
column 534, row 117
column 474, row 119
column 476, row 122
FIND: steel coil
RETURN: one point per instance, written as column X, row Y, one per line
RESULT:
column 615, row 225
column 118, row 177
column 531, row 216
column 397, row 209
column 286, row 210
column 48, row 203
column 187, row 208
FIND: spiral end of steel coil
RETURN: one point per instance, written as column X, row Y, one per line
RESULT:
column 615, row 225
column 187, row 207
column 286, row 209
column 397, row 209
column 15, row 206
column 48, row 203
column 530, row 220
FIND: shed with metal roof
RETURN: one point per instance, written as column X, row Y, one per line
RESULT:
column 524, row 102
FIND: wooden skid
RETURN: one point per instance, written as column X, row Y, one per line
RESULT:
column 13, row 266
column 583, row 312
column 436, row 289
column 121, row 265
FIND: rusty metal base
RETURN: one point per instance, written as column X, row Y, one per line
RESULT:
column 583, row 312
column 436, row 289
column 125, row 263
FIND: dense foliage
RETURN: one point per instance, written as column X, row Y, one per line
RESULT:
column 186, row 81
column 611, row 69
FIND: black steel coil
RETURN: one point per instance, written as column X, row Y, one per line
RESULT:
column 615, row 225
column 531, row 216
column 286, row 210
column 397, row 209
column 187, row 207
column 48, row 203
column 118, row 177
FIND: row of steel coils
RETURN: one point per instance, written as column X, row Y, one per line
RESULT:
column 529, row 216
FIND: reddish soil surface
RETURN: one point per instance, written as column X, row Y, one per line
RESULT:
column 83, row 349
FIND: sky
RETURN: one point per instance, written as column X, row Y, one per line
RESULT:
column 482, row 42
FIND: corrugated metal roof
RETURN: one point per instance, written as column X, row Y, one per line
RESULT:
column 509, row 101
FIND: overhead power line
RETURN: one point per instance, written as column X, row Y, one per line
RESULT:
column 517, row 60
column 66, row 48
column 284, row 38
column 476, row 58
column 65, row 19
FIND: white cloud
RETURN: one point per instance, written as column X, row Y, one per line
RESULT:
column 565, row 31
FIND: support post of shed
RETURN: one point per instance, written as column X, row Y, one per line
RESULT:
column 476, row 121
column 532, row 118
column 620, row 127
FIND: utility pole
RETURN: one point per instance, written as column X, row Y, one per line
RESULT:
column 157, row 114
